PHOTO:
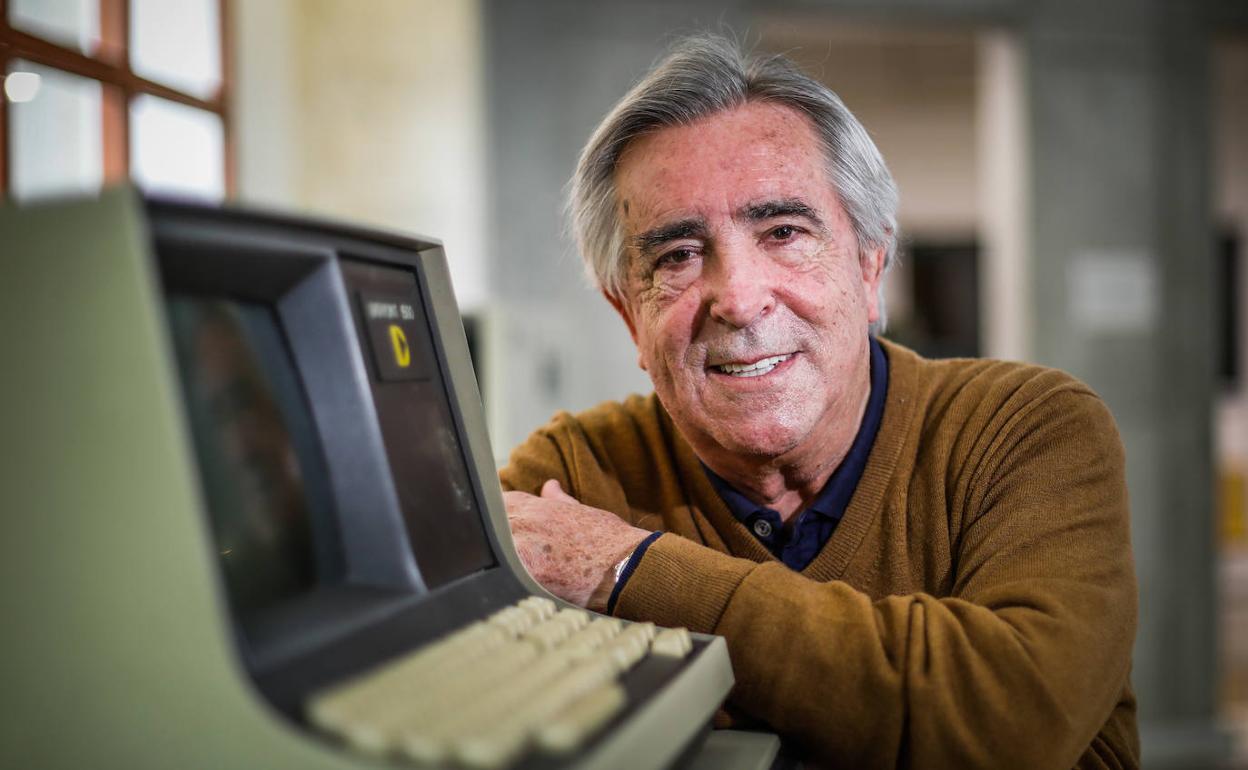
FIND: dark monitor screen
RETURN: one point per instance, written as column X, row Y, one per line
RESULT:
column 430, row 472
column 260, row 456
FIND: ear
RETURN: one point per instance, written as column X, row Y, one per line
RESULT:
column 624, row 312
column 622, row 309
column 871, row 262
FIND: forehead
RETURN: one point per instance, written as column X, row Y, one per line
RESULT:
column 753, row 152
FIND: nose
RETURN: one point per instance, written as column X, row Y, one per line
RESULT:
column 739, row 289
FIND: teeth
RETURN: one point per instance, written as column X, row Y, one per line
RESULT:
column 755, row 369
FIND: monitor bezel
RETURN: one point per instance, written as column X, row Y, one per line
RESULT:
column 291, row 263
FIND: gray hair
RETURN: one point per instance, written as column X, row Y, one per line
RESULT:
column 704, row 75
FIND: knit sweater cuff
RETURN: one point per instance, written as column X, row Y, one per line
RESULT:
column 681, row 583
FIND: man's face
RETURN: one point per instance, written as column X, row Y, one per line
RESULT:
column 746, row 292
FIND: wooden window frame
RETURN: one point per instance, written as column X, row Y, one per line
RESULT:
column 110, row 66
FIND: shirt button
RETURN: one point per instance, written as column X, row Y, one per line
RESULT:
column 762, row 528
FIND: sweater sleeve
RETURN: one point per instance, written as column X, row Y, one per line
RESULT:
column 535, row 461
column 1021, row 664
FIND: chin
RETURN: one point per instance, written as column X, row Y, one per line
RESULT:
column 756, row 428
column 759, row 438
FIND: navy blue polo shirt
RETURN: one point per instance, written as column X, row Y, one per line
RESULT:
column 812, row 527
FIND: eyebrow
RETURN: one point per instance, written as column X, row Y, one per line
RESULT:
column 686, row 228
column 783, row 207
column 695, row 227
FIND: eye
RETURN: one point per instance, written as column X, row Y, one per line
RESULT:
column 674, row 258
column 676, row 269
column 783, row 233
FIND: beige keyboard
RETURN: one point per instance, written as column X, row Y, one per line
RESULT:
column 531, row 677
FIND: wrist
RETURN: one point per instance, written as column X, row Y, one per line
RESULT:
column 619, row 567
column 625, row 569
column 601, row 594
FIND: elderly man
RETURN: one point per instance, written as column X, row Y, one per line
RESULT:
column 914, row 562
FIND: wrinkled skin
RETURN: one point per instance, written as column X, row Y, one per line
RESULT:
column 571, row 549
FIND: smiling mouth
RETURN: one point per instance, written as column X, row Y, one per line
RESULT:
column 756, row 369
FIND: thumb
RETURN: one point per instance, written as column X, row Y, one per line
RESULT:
column 552, row 491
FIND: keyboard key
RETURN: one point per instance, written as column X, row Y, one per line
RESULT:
column 491, row 750
column 515, row 620
column 544, row 607
column 581, row 719
column 625, row 650
column 585, row 643
column 577, row 618
column 643, row 631
column 672, row 642
column 550, row 633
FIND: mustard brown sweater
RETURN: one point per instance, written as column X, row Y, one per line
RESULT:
column 975, row 607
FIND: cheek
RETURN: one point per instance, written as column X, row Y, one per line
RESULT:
column 667, row 326
column 647, row 343
column 652, row 352
column 830, row 299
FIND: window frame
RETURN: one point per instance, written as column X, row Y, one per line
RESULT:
column 110, row 66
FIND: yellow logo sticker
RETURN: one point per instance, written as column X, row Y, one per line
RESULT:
column 402, row 353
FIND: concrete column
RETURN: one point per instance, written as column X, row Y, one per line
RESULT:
column 1004, row 183
column 1122, row 289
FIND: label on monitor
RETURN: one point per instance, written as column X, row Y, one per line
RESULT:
column 397, row 337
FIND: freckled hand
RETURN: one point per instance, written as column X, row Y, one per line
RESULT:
column 570, row 548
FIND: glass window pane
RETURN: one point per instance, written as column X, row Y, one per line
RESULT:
column 56, row 144
column 71, row 23
column 177, row 43
column 176, row 149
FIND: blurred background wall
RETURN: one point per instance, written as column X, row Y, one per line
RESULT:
column 373, row 113
column 1074, row 181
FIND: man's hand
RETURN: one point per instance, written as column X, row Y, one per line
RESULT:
column 569, row 548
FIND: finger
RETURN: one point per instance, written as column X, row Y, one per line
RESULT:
column 552, row 491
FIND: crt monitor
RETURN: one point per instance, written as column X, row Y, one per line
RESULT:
column 335, row 465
